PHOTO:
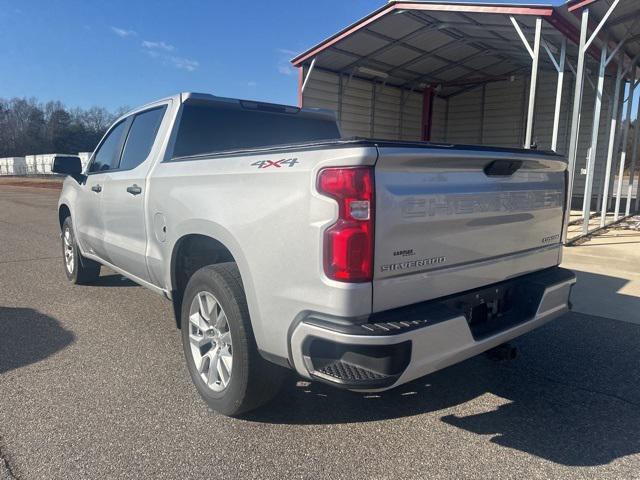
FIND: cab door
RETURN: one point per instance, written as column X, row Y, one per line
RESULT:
column 123, row 196
column 87, row 216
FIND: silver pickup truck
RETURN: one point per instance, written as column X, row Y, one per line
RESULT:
column 360, row 263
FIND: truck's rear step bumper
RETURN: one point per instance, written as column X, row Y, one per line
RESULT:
column 400, row 345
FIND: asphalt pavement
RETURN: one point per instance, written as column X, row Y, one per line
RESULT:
column 93, row 385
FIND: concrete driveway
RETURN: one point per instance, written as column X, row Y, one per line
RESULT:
column 93, row 385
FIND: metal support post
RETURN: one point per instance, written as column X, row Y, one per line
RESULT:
column 306, row 80
column 556, row 116
column 634, row 158
column 596, row 31
column 625, row 139
column 612, row 143
column 534, row 84
column 535, row 57
column 575, row 118
column 616, row 151
column 591, row 161
column 559, row 65
column 637, row 206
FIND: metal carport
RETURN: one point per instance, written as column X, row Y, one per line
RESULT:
column 616, row 25
column 492, row 74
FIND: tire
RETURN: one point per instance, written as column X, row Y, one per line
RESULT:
column 246, row 381
column 80, row 270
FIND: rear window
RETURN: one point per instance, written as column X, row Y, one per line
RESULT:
column 216, row 128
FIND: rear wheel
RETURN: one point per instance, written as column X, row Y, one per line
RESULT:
column 219, row 346
column 79, row 269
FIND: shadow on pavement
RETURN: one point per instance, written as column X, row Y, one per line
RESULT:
column 571, row 397
column 114, row 280
column 27, row 336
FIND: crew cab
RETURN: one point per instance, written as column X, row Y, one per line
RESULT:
column 360, row 263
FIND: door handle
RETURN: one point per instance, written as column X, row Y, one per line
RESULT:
column 97, row 188
column 134, row 189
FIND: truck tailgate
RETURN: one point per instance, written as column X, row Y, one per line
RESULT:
column 449, row 220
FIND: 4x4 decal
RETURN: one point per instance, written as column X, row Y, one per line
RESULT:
column 276, row 164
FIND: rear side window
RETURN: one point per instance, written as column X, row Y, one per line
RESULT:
column 141, row 136
column 215, row 128
column 108, row 153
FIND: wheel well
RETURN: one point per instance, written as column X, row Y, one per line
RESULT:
column 191, row 253
column 63, row 213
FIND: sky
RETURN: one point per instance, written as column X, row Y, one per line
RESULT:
column 116, row 53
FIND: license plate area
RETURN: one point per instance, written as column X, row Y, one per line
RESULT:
column 497, row 308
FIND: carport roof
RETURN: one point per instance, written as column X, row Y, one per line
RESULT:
column 449, row 45
column 624, row 21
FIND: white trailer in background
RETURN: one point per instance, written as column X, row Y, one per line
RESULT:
column 13, row 166
column 491, row 74
column 17, row 166
column 31, row 164
column 40, row 164
column 34, row 164
column 44, row 163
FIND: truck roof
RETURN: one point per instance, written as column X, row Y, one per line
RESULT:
column 184, row 97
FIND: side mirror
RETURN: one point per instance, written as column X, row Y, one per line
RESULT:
column 67, row 165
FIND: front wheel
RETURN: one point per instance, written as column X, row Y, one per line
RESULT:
column 219, row 346
column 80, row 270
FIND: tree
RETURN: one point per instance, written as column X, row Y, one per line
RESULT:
column 30, row 127
column 59, row 130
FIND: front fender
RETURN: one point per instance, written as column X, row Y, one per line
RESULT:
column 68, row 197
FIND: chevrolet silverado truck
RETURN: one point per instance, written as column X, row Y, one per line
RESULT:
column 363, row 264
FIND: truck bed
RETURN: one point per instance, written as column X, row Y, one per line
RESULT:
column 450, row 218
column 371, row 142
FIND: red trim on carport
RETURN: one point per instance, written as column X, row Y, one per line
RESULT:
column 541, row 11
column 427, row 113
column 578, row 4
column 342, row 34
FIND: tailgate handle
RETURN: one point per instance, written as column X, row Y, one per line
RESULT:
column 502, row 168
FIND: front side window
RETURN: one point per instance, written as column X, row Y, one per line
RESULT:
column 141, row 136
column 108, row 153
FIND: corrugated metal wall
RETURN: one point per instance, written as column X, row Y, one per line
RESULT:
column 493, row 114
column 584, row 140
column 355, row 112
column 366, row 109
column 411, row 116
column 504, row 119
column 464, row 122
column 545, row 108
column 386, row 111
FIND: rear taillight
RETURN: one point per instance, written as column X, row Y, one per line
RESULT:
column 348, row 243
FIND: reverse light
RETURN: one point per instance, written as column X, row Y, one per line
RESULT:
column 348, row 243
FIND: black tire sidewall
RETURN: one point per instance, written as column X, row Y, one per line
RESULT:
column 229, row 400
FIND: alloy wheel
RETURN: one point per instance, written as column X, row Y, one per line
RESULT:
column 210, row 339
column 69, row 255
